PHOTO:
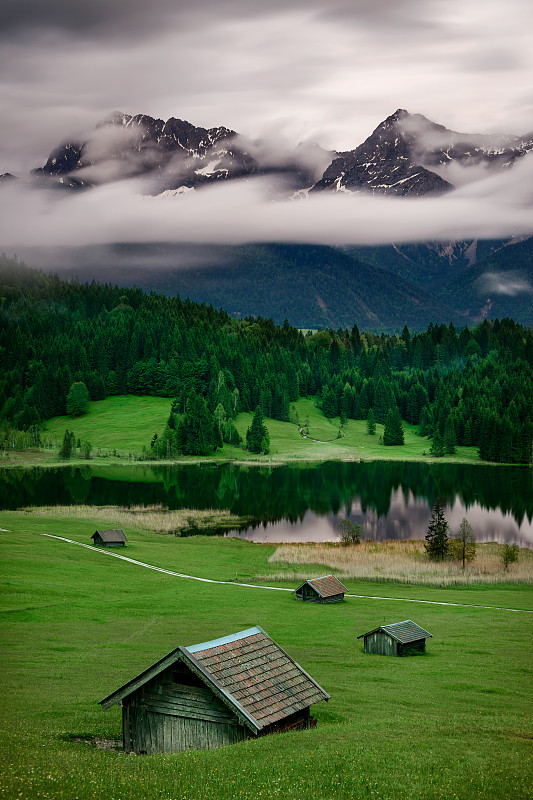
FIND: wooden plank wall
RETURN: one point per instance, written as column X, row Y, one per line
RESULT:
column 380, row 643
column 166, row 717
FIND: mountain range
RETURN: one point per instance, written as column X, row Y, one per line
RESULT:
column 378, row 287
column 406, row 155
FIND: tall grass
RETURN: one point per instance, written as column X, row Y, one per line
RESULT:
column 402, row 562
column 154, row 518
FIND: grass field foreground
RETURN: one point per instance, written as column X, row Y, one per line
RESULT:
column 76, row 624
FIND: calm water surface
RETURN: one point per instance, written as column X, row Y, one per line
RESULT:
column 392, row 500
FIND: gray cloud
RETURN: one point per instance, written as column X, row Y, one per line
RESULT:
column 237, row 212
column 507, row 284
column 317, row 70
column 307, row 71
column 124, row 18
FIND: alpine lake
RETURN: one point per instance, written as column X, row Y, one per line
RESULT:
column 300, row 503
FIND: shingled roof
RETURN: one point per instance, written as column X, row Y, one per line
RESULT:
column 327, row 586
column 406, row 631
column 111, row 535
column 248, row 671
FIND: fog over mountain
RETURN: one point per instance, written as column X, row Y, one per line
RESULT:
column 243, row 123
column 142, row 179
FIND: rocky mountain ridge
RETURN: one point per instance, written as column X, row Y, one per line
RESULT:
column 406, row 155
column 165, row 155
column 409, row 155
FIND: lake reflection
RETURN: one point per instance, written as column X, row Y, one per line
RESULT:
column 404, row 520
column 392, row 500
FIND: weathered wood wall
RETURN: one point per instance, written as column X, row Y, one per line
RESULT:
column 384, row 645
column 168, row 717
column 100, row 543
column 381, row 644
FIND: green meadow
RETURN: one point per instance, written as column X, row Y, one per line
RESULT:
column 120, row 426
column 123, row 422
column 77, row 623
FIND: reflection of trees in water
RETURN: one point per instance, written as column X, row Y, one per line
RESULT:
column 273, row 493
column 407, row 518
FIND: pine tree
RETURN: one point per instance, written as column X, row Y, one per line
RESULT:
column 450, row 439
column 437, row 533
column 393, row 433
column 437, row 445
column 257, row 436
column 329, row 405
column 370, row 423
column 69, row 441
column 217, row 436
column 199, row 426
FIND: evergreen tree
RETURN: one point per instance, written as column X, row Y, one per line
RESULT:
column 437, row 533
column 231, row 434
column 437, row 445
column 217, row 436
column 393, row 433
column 383, row 399
column 198, row 425
column 450, row 439
column 329, row 405
column 257, row 436
column 69, row 441
column 370, row 423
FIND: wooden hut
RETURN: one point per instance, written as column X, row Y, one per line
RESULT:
column 398, row 639
column 327, row 589
column 115, row 537
column 214, row 694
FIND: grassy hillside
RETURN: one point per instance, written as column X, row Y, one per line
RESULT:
column 77, row 624
column 122, row 423
column 127, row 423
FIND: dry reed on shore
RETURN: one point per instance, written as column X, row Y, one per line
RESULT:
column 155, row 518
column 401, row 562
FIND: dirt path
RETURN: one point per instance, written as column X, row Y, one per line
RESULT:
column 269, row 588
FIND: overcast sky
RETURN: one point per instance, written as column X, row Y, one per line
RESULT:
column 322, row 70
column 328, row 70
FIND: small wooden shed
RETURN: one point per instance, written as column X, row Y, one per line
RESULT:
column 115, row 537
column 216, row 693
column 398, row 639
column 327, row 589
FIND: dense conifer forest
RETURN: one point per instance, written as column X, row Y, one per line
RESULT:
column 461, row 387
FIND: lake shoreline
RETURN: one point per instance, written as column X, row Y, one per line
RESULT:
column 28, row 459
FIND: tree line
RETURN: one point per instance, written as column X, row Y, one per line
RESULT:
column 461, row 387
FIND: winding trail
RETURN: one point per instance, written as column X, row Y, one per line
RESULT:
column 270, row 588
